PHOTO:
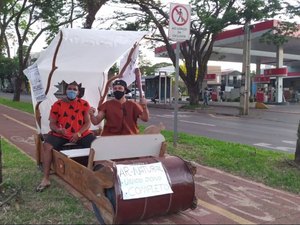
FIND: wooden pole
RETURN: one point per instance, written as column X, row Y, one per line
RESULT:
column 120, row 75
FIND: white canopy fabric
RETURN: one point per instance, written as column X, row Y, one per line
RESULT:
column 84, row 56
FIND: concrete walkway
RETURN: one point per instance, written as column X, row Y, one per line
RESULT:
column 233, row 108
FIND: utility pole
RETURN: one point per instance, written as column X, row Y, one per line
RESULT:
column 245, row 90
column 279, row 79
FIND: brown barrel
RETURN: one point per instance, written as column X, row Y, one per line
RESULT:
column 181, row 181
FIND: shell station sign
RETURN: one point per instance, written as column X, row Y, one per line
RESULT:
column 276, row 72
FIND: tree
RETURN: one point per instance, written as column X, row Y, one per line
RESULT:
column 150, row 70
column 208, row 19
column 9, row 70
column 6, row 18
column 52, row 14
column 91, row 7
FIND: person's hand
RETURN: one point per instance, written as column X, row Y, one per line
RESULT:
column 60, row 130
column 143, row 101
column 74, row 138
column 92, row 111
column 137, row 71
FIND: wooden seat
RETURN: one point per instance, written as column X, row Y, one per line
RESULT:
column 121, row 146
column 71, row 150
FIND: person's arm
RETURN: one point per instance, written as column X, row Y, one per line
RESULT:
column 145, row 114
column 138, row 78
column 55, row 127
column 86, row 125
column 96, row 119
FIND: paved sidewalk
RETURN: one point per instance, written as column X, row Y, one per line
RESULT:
column 222, row 198
column 233, row 108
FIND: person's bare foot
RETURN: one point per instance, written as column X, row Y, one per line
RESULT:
column 43, row 185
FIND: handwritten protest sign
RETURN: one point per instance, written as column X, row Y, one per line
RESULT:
column 140, row 181
column 33, row 75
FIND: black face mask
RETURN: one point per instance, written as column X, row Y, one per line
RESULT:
column 118, row 94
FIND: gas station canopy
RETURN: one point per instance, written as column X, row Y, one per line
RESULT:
column 229, row 46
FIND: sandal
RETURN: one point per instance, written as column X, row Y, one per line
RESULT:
column 41, row 187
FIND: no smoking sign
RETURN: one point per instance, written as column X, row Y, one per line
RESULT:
column 179, row 22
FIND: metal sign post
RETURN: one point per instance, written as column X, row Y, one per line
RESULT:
column 176, row 96
column 179, row 30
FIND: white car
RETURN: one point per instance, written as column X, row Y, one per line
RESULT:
column 110, row 93
column 135, row 92
column 128, row 95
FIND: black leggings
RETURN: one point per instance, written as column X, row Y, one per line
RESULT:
column 58, row 142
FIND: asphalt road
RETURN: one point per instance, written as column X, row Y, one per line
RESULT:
column 274, row 129
column 264, row 129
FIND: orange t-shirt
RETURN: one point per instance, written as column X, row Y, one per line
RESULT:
column 70, row 115
column 120, row 118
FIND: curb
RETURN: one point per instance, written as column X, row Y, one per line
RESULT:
column 214, row 108
column 288, row 112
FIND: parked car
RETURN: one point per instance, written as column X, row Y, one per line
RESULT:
column 135, row 92
column 110, row 93
column 128, row 95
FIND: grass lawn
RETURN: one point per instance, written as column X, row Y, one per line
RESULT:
column 54, row 206
column 274, row 169
column 24, row 106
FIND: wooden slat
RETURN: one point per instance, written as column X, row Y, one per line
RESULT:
column 127, row 146
column 38, row 149
column 163, row 149
column 76, row 152
column 89, row 183
column 91, row 159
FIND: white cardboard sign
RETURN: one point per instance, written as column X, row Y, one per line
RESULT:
column 34, row 77
column 140, row 181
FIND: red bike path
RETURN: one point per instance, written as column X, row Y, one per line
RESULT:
column 222, row 198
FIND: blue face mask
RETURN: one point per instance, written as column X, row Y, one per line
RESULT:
column 71, row 94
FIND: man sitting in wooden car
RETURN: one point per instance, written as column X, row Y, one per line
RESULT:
column 69, row 122
column 120, row 114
